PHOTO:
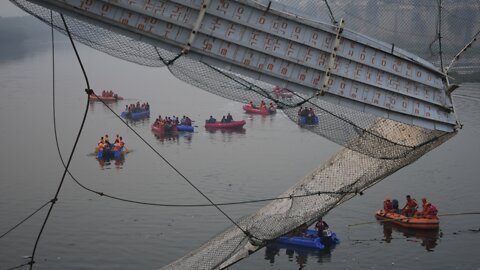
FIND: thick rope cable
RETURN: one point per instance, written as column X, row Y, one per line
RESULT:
column 150, row 146
column 53, row 201
column 25, row 219
column 330, row 12
column 18, row 267
column 173, row 167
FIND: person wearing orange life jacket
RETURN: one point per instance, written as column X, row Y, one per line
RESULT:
column 100, row 146
column 263, row 106
column 424, row 207
column 121, row 141
column 117, row 146
column 431, row 211
column 410, row 207
column 387, row 205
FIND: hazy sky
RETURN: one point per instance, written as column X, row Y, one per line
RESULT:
column 7, row 9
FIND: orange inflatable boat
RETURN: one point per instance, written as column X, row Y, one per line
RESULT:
column 408, row 222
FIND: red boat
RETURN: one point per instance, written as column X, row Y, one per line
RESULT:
column 408, row 222
column 265, row 111
column 231, row 125
column 284, row 93
column 161, row 130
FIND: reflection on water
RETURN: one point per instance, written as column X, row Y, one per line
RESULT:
column 427, row 238
column 107, row 163
column 169, row 138
column 226, row 131
column 297, row 254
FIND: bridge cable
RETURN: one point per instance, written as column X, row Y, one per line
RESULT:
column 53, row 201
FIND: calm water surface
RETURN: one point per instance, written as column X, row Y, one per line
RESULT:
column 87, row 231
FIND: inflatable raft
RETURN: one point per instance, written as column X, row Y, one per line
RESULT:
column 408, row 222
column 108, row 154
column 136, row 115
column 303, row 120
column 106, row 99
column 283, row 93
column 310, row 241
column 265, row 111
column 162, row 131
column 185, row 128
column 232, row 124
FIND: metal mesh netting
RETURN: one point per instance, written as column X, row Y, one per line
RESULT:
column 345, row 172
column 420, row 27
column 374, row 147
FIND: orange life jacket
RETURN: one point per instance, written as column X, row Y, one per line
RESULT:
column 387, row 206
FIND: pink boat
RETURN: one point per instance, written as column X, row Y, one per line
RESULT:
column 231, row 125
column 250, row 109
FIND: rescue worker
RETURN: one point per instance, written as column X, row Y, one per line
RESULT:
column 410, row 207
column 321, row 227
column 431, row 211
column 387, row 205
column 424, row 208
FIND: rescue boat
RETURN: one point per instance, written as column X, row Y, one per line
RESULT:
column 136, row 115
column 106, row 99
column 185, row 128
column 265, row 111
column 161, row 131
column 310, row 240
column 229, row 125
column 408, row 222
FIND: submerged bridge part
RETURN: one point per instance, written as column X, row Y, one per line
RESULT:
column 386, row 106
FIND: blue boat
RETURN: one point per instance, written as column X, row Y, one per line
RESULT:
column 311, row 240
column 303, row 120
column 108, row 154
column 185, row 128
column 136, row 115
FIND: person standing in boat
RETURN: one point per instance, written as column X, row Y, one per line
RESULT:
column 321, row 227
column 410, row 207
column 229, row 118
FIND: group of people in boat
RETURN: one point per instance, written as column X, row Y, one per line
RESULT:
column 225, row 119
column 308, row 113
column 263, row 106
column 411, row 208
column 169, row 123
column 137, row 107
column 109, row 93
column 104, row 144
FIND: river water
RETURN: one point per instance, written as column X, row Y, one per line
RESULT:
column 87, row 231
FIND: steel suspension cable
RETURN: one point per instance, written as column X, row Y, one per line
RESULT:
column 53, row 201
